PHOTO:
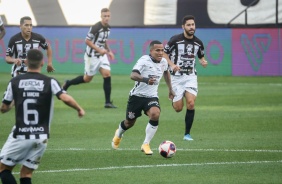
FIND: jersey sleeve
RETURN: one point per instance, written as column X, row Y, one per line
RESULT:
column 201, row 51
column 8, row 95
column 92, row 32
column 56, row 88
column 11, row 48
column 140, row 65
column 169, row 46
column 43, row 43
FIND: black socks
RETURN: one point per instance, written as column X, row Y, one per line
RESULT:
column 107, row 89
column 189, row 118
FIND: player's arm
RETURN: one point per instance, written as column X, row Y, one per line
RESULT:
column 173, row 66
column 110, row 53
column 95, row 47
column 70, row 101
column 136, row 76
column 11, row 60
column 2, row 31
column 49, row 58
column 5, row 108
column 7, row 99
column 203, row 62
column 168, row 83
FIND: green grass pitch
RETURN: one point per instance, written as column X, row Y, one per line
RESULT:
column 237, row 135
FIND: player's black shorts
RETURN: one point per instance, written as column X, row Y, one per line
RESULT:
column 136, row 104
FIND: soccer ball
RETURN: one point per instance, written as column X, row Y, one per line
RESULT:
column 167, row 149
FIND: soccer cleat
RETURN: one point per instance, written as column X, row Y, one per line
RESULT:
column 110, row 105
column 66, row 85
column 146, row 149
column 116, row 141
column 187, row 137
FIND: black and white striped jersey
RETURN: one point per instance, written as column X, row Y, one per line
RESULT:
column 18, row 47
column 33, row 97
column 183, row 52
column 148, row 68
column 98, row 34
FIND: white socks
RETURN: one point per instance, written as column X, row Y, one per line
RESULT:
column 150, row 132
column 120, row 131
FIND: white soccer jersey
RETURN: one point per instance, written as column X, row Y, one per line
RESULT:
column 148, row 68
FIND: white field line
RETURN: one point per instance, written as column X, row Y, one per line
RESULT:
column 154, row 166
column 178, row 149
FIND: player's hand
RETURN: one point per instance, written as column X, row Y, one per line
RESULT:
column 171, row 94
column 111, row 55
column 204, row 63
column 103, row 52
column 175, row 68
column 50, row 68
column 151, row 81
column 18, row 61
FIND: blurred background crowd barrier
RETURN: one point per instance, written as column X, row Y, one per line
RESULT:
column 241, row 37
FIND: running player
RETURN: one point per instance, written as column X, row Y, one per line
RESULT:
column 32, row 94
column 147, row 74
column 21, row 43
column 180, row 52
column 95, row 57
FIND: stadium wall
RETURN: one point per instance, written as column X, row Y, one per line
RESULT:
column 230, row 51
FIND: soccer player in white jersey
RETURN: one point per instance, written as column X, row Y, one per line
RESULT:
column 147, row 74
column 2, row 29
column 180, row 52
column 32, row 94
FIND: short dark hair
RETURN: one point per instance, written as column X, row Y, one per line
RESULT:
column 34, row 58
column 105, row 10
column 23, row 19
column 187, row 17
column 154, row 42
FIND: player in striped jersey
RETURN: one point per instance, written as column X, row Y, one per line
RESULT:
column 32, row 94
column 21, row 43
column 95, row 57
column 146, row 73
column 180, row 52
column 2, row 29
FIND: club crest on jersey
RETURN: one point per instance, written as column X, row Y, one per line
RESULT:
column 131, row 115
column 31, row 84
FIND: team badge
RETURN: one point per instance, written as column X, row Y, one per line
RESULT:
column 131, row 115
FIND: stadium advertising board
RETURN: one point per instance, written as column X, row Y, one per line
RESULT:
column 239, row 52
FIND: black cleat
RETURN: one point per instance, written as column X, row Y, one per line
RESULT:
column 109, row 105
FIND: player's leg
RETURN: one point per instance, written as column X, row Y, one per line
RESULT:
column 189, row 116
column 152, row 110
column 25, row 175
column 91, row 66
column 11, row 153
column 32, row 159
column 133, row 111
column 122, row 128
column 6, row 174
column 105, row 71
column 179, row 90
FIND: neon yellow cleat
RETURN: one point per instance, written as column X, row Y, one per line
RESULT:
column 146, row 149
column 116, row 141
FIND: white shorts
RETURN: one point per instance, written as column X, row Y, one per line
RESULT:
column 27, row 152
column 93, row 64
column 181, row 84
